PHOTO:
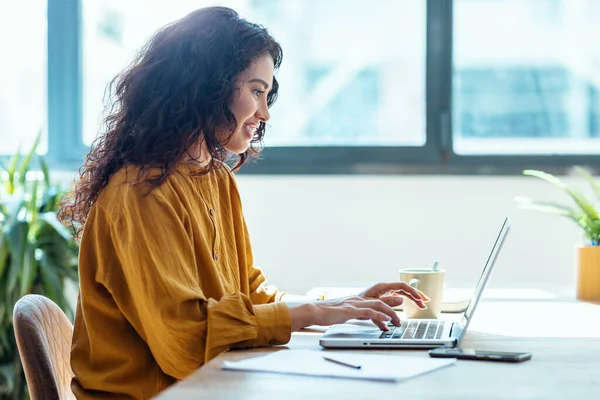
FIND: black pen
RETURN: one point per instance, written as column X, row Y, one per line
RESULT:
column 345, row 364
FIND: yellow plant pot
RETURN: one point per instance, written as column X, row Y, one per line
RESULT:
column 588, row 273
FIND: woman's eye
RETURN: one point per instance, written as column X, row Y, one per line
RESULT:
column 257, row 92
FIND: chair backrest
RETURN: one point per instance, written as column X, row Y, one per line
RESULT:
column 43, row 334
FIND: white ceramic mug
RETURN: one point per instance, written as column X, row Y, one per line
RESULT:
column 429, row 282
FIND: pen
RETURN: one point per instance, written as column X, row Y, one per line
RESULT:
column 345, row 364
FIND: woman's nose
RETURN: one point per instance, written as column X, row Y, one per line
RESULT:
column 263, row 112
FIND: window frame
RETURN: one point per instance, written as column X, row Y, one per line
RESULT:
column 436, row 156
column 65, row 83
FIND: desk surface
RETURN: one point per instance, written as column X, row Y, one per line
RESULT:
column 562, row 336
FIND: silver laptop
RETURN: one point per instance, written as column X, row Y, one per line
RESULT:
column 415, row 333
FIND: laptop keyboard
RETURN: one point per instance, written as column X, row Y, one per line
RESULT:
column 415, row 330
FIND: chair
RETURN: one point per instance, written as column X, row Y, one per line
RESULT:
column 43, row 334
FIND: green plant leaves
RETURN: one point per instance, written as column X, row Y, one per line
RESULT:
column 549, row 206
column 581, row 201
column 11, row 170
column 4, row 252
column 585, row 215
column 37, row 253
column 32, row 204
column 590, row 179
column 50, row 200
column 28, row 270
column 45, row 171
column 17, row 242
column 7, row 374
column 50, row 226
column 25, row 164
column 56, row 249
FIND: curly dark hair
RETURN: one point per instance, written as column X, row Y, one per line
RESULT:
column 176, row 92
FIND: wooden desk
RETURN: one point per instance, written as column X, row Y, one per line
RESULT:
column 564, row 337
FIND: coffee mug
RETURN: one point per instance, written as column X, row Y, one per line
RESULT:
column 429, row 282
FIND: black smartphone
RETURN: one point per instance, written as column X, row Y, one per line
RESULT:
column 485, row 355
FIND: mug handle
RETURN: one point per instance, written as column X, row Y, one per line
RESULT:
column 414, row 283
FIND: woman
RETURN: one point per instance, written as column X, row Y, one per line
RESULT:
column 167, row 280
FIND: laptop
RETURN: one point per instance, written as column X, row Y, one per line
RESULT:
column 415, row 333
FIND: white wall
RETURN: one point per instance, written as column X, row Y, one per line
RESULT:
column 311, row 231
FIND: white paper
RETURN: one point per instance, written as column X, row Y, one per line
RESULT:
column 376, row 367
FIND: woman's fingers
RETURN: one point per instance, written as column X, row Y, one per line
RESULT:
column 419, row 302
column 341, row 310
column 404, row 287
column 381, row 325
column 401, row 288
column 381, row 289
column 393, row 300
column 382, row 307
column 380, row 319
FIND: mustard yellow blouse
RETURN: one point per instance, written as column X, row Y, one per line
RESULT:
column 167, row 282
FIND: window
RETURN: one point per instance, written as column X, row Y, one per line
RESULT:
column 526, row 77
column 345, row 82
column 113, row 31
column 380, row 86
column 22, row 75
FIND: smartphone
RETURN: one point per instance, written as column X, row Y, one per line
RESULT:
column 486, row 355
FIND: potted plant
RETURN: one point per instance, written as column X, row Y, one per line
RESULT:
column 585, row 214
column 37, row 254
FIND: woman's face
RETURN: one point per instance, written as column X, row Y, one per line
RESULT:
column 249, row 105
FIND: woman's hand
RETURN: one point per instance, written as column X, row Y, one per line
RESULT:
column 375, row 304
column 390, row 293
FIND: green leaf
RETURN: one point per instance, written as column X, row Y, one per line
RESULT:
column 4, row 344
column 14, row 205
column 45, row 171
column 25, row 164
column 579, row 199
column 7, row 374
column 32, row 208
column 581, row 219
column 61, row 256
column 590, row 179
column 3, row 211
column 550, row 207
column 17, row 240
column 37, row 253
column 57, row 249
column 51, row 219
column 4, row 251
column 50, row 199
column 546, row 177
column 7, row 350
column 547, row 206
column 3, row 319
column 52, row 284
column 29, row 270
column 5, row 314
column 9, row 184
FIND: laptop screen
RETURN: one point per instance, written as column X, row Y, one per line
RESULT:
column 485, row 274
